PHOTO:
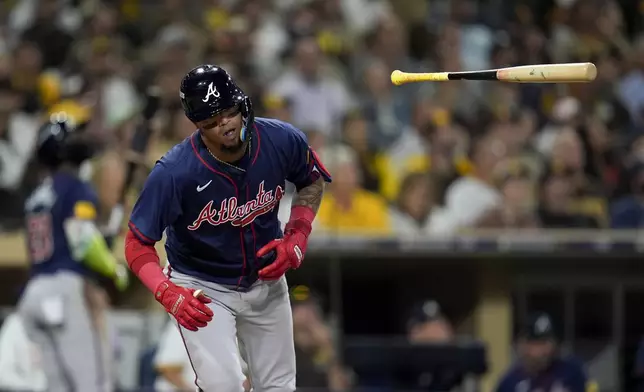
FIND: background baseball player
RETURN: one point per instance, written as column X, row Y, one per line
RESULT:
column 216, row 194
column 540, row 365
column 67, row 254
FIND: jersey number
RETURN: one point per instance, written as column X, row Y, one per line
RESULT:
column 41, row 242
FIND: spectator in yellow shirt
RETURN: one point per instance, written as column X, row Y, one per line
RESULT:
column 347, row 208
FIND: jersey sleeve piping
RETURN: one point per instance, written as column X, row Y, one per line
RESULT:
column 317, row 163
column 140, row 236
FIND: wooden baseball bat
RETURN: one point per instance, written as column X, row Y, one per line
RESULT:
column 539, row 73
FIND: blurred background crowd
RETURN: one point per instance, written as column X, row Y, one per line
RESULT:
column 419, row 161
column 424, row 159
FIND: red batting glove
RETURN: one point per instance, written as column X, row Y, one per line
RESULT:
column 192, row 313
column 290, row 253
column 290, row 249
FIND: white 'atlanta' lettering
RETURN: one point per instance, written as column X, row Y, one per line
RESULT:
column 239, row 216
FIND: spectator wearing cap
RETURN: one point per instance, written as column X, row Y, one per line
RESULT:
column 540, row 367
column 317, row 363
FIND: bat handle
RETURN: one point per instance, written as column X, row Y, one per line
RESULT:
column 197, row 293
column 399, row 78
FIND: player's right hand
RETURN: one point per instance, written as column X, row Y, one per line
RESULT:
column 192, row 313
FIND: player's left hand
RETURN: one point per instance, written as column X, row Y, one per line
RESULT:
column 290, row 253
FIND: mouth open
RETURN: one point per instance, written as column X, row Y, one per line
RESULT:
column 229, row 133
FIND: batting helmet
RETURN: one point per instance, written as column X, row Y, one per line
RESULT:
column 208, row 90
column 60, row 141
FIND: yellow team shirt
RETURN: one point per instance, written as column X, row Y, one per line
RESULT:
column 368, row 215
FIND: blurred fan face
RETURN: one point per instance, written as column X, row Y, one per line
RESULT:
column 377, row 80
column 105, row 21
column 346, row 177
column 316, row 140
column 28, row 59
column 488, row 153
column 47, row 10
column 9, row 101
column 306, row 321
column 519, row 191
column 305, row 314
column 308, row 57
column 417, row 200
column 568, row 151
column 557, row 192
column 99, row 63
column 355, row 133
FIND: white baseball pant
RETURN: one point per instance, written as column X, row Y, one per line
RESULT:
column 57, row 317
column 260, row 319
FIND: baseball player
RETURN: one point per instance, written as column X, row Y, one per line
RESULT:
column 540, row 366
column 216, row 194
column 68, row 254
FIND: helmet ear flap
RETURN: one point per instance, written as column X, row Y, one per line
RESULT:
column 248, row 117
column 247, row 110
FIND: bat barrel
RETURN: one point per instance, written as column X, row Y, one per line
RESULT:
column 549, row 73
column 539, row 73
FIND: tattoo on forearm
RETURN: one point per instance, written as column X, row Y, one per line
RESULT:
column 310, row 196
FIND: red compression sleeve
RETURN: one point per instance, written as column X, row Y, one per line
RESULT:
column 301, row 219
column 143, row 260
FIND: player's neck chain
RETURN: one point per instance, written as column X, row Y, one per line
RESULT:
column 228, row 164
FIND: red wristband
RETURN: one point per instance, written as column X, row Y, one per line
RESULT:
column 143, row 260
column 301, row 220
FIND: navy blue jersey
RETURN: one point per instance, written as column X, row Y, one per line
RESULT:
column 564, row 375
column 216, row 217
column 57, row 199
